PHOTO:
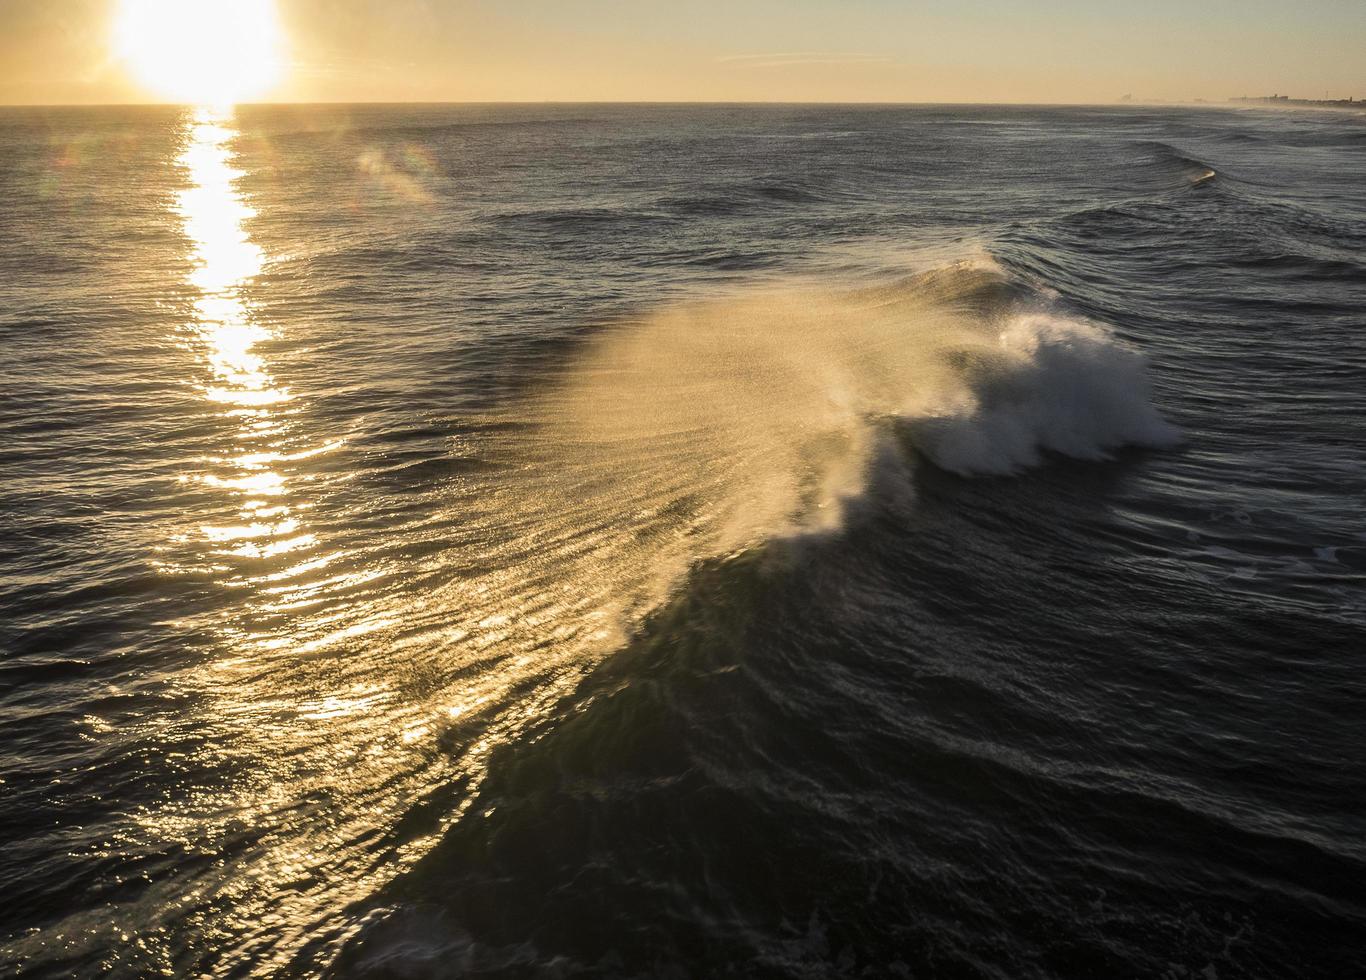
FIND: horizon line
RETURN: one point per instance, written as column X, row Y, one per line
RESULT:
column 642, row 102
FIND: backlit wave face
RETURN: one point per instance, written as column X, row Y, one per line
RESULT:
column 203, row 52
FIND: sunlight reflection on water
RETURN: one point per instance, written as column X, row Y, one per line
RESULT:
column 288, row 707
column 214, row 214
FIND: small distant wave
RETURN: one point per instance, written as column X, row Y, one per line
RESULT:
column 744, row 198
column 585, row 221
column 1157, row 189
column 1303, row 265
column 786, row 193
column 702, row 205
column 1183, row 169
column 1238, row 136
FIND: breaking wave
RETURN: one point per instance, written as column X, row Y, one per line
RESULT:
column 763, row 411
column 707, row 428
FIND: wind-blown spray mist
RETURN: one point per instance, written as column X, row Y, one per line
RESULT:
column 758, row 414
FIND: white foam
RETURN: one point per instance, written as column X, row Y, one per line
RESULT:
column 1059, row 384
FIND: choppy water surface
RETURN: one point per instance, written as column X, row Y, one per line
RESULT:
column 632, row 541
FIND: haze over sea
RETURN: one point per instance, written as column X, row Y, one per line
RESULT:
column 605, row 540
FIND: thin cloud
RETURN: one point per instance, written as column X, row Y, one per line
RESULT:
column 782, row 59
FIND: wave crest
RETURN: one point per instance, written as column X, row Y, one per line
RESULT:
column 1055, row 384
column 761, row 413
column 1173, row 163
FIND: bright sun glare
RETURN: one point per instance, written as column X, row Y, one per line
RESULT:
column 207, row 52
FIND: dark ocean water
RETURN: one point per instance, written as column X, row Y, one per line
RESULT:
column 682, row 541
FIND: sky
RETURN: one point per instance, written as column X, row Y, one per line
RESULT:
column 1042, row 51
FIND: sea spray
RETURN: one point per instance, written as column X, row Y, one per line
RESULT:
column 756, row 415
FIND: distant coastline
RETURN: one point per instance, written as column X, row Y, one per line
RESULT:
column 1285, row 100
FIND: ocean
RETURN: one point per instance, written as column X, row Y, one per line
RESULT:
column 681, row 541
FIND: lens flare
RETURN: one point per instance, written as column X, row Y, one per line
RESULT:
column 206, row 52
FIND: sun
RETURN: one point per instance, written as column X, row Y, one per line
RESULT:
column 205, row 52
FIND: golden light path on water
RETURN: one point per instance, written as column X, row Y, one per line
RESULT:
column 225, row 332
column 347, row 684
column 306, row 745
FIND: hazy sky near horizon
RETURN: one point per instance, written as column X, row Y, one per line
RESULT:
column 58, row 51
